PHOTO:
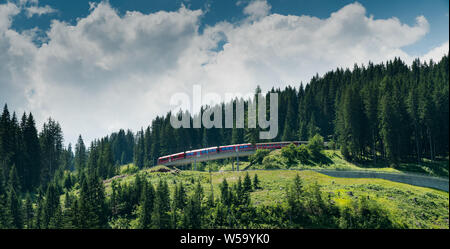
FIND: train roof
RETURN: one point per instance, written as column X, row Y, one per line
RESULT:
column 201, row 149
column 287, row 142
column 176, row 154
column 234, row 145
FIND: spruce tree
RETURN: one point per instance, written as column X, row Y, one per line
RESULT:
column 247, row 185
column 256, row 182
column 29, row 212
column 225, row 196
column 139, row 151
column 80, row 155
column 15, row 209
column 180, row 196
column 146, row 207
column 160, row 216
column 50, row 205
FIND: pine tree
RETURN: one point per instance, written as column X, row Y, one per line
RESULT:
column 146, row 207
column 92, row 205
column 389, row 121
column 39, row 217
column 15, row 209
column 225, row 193
column 72, row 215
column 56, row 221
column 51, row 140
column 139, row 151
column 160, row 216
column 50, row 205
column 14, row 181
column 180, row 196
column 256, row 182
column 80, row 155
column 148, row 160
column 413, row 111
column 289, row 132
column 247, row 185
column 29, row 212
column 6, row 142
column 193, row 212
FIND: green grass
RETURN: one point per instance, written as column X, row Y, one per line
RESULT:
column 415, row 207
column 412, row 206
column 334, row 160
column 128, row 169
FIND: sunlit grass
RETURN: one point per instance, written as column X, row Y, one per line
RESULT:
column 417, row 207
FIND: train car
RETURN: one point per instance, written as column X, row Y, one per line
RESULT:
column 210, row 150
column 245, row 147
column 193, row 153
column 236, row 147
column 164, row 159
column 227, row 148
column 201, row 152
column 274, row 145
column 171, row 158
column 177, row 156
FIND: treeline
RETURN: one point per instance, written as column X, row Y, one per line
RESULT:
column 394, row 112
column 386, row 111
column 45, row 210
column 38, row 157
column 34, row 157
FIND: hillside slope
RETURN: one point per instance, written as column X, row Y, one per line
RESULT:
column 412, row 206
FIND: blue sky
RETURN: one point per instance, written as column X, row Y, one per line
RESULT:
column 436, row 12
column 97, row 67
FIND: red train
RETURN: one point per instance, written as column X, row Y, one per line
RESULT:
column 201, row 152
column 225, row 149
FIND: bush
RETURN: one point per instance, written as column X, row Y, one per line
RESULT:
column 332, row 145
column 129, row 169
column 303, row 154
column 258, row 157
column 272, row 162
column 345, row 152
column 290, row 153
column 315, row 145
column 211, row 166
column 365, row 214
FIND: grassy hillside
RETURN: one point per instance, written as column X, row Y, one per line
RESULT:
column 414, row 207
column 333, row 159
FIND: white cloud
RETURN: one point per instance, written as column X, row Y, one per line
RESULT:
column 25, row 2
column 282, row 50
column 108, row 71
column 436, row 53
column 7, row 11
column 36, row 10
column 257, row 9
column 16, row 54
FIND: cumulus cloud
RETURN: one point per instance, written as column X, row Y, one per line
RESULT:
column 17, row 52
column 111, row 71
column 279, row 50
column 436, row 53
column 257, row 9
column 36, row 10
column 7, row 11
